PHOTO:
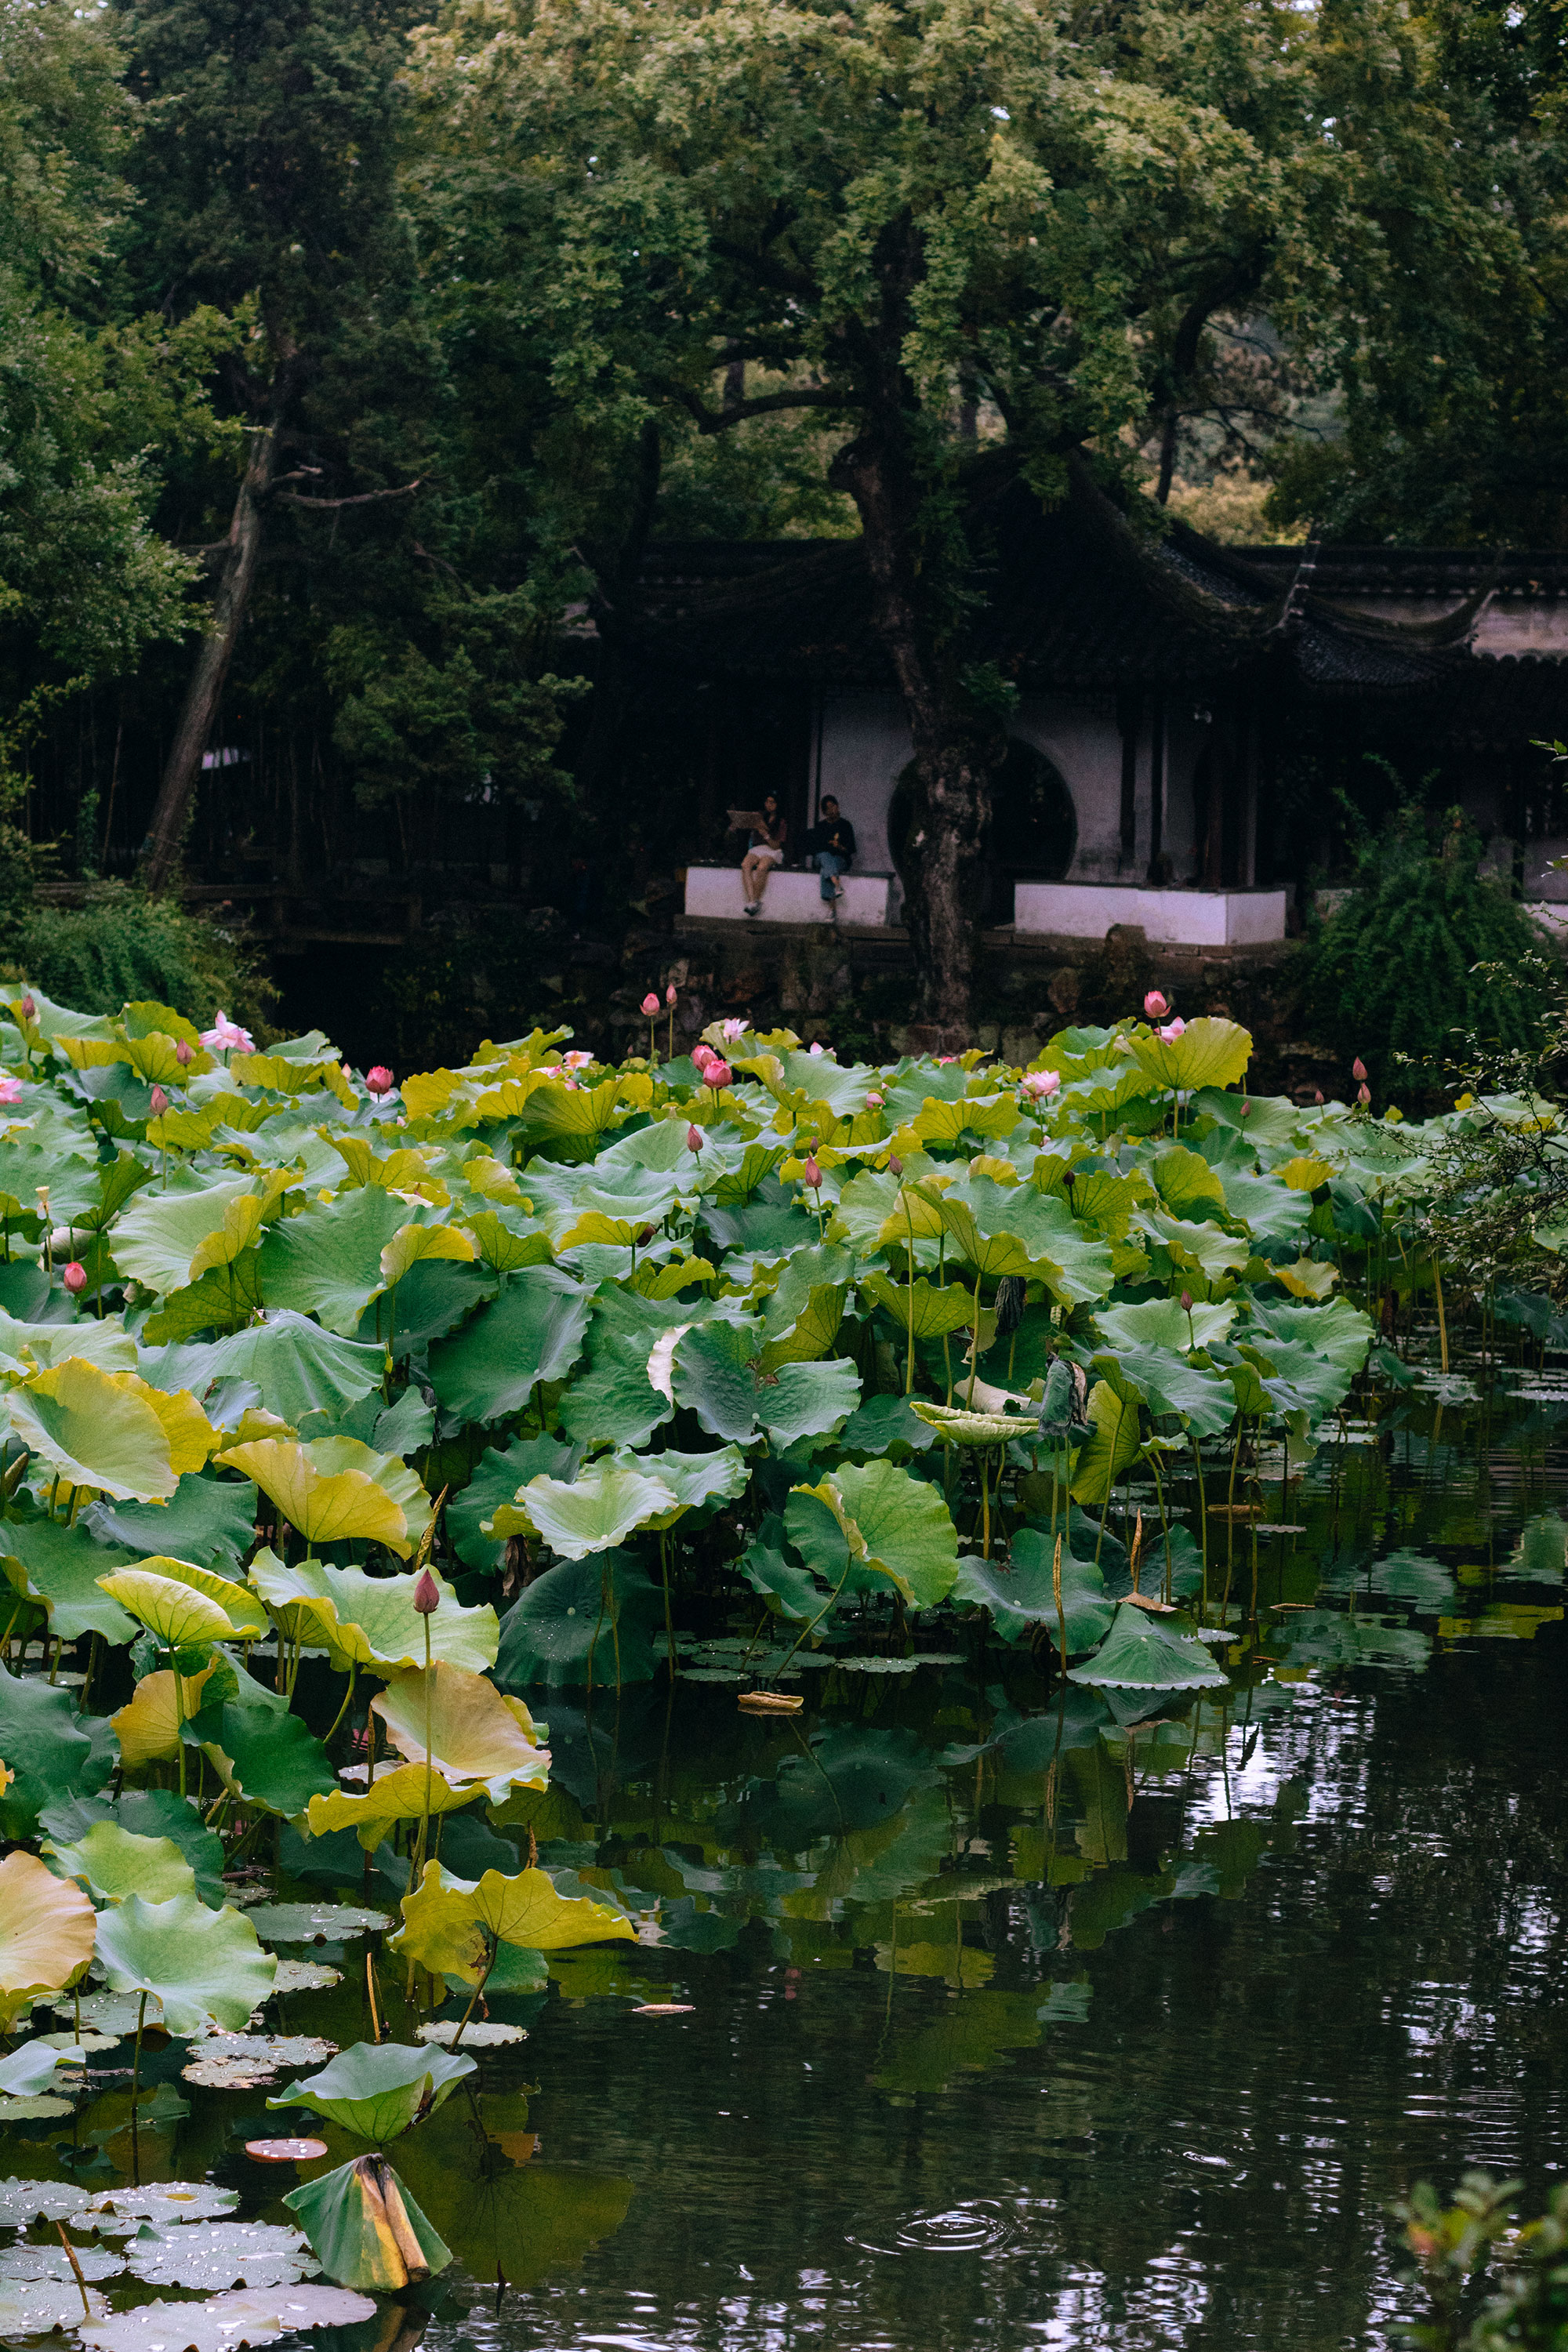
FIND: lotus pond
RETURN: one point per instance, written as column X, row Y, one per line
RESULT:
column 740, row 1702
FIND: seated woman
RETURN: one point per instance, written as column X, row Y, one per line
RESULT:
column 765, row 850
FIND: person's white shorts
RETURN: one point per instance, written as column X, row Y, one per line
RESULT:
column 767, row 856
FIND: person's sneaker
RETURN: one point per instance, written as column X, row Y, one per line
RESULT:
column 753, row 910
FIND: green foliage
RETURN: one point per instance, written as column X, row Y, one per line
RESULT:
column 122, row 946
column 1400, row 968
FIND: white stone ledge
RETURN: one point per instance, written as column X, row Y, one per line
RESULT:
column 715, row 893
column 1086, row 911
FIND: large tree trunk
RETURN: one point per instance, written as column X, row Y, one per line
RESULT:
column 162, row 850
column 950, row 811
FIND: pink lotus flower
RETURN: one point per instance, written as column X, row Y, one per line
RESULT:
column 942, row 1060
column 10, row 1089
column 650, row 1004
column 703, row 1054
column 694, row 1138
column 669, row 994
column 75, row 1278
column 1358, row 1070
column 577, row 1059
column 1155, row 1005
column 379, row 1079
column 183, row 1052
column 816, row 1046
column 873, row 1102
column 427, row 1595
column 811, row 1174
column 159, row 1102
column 731, row 1030
column 1169, row 1036
column 226, row 1036
column 718, row 1075
column 1042, row 1084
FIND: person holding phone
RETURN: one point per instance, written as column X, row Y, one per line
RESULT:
column 833, row 840
column 764, row 849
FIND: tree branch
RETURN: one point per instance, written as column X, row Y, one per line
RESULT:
column 767, row 403
column 331, row 505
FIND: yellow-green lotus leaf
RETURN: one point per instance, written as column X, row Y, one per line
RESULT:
column 190, row 1434
column 180, row 1616
column 594, row 1513
column 451, row 1924
column 411, row 1244
column 391, row 1474
column 938, row 1308
column 1309, row 1278
column 115, row 1863
column 476, row 1735
column 148, row 1726
column 1209, row 1053
column 394, row 1796
column 242, row 1608
column 1305, row 1172
column 370, row 1620
column 95, row 1432
column 47, row 1928
column 325, row 1509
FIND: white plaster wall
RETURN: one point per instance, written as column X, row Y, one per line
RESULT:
column 1083, row 742
column 866, row 747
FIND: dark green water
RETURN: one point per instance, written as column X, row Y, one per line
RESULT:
column 976, row 2058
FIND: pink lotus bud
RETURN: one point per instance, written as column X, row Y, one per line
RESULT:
column 943, row 1059
column 427, row 1595
column 1317, row 1095
column 29, row 1009
column 75, row 1278
column 813, row 1174
column 1069, row 1179
column 1363, row 1093
column 895, row 1165
column 183, row 1052
column 1243, row 1108
column 816, row 1046
column 1186, row 1302
column 159, row 1102
column 1169, row 1036
column 669, row 996
column 694, row 1138
column 650, row 1004
column 379, row 1079
column 1155, row 1005
column 703, row 1054
column 718, row 1075
column 1358, row 1070
column 873, row 1102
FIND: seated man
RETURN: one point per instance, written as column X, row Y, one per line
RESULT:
column 832, row 839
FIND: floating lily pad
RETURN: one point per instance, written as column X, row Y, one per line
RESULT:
column 86, row 2042
column 53, row 2263
column 305, row 1976
column 111, row 2014
column 224, row 2254
column 489, row 2036
column 22, row 2201
column 269, row 2049
column 35, row 2108
column 118, row 2212
column 304, row 1923
column 38, row 2307
column 247, row 2315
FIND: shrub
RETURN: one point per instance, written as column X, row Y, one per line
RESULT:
column 122, row 946
column 1395, row 970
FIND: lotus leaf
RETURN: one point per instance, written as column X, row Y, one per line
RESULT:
column 1167, row 1383
column 370, row 1620
column 91, row 1432
column 59, row 1568
column 31, row 2069
column 401, row 1793
column 1143, row 1652
column 906, row 1527
column 42, row 2306
column 478, row 1736
column 596, row 1513
column 46, row 1933
column 391, row 1474
column 1021, row 1596
column 23, row 2201
column 209, row 2254
column 25, row 2261
column 932, row 1310
column 206, row 1966
column 115, row 1863
column 168, row 1239
column 207, row 1520
column 377, row 2089
column 366, row 2228
column 325, row 1509
column 148, row 1726
column 695, row 1479
column 327, row 1262
column 184, row 1605
column 168, row 2204
column 584, row 1621
column 298, row 1368
column 1209, row 1053
column 451, row 1926
column 1012, row 1229
column 1113, row 1444
column 46, row 1748
column 265, row 1754
column 246, row 2315
column 533, row 1332
column 304, row 1923
column 501, row 1472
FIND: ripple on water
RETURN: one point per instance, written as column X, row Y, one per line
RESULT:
column 982, row 2225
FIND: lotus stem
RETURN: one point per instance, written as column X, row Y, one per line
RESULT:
column 462, row 2024
column 347, row 1701
column 1442, row 1319
column 429, row 1753
column 179, row 1716
column 1202, row 1527
column 910, row 1364
column 974, row 1348
column 664, row 1568
column 1061, row 1610
column 70, row 2257
column 375, row 2024
column 135, row 2093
